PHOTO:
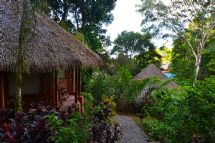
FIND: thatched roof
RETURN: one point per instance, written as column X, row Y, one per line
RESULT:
column 150, row 71
column 51, row 47
column 153, row 71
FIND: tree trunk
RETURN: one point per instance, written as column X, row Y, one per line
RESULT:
column 18, row 102
column 197, row 68
column 65, row 10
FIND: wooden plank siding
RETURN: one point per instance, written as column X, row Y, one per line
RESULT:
column 50, row 89
column 3, row 90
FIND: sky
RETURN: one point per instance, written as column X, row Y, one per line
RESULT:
column 127, row 18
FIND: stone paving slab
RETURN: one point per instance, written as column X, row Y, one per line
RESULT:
column 132, row 133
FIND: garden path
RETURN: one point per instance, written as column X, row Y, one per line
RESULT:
column 132, row 133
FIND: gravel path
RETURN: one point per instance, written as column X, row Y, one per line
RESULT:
column 131, row 132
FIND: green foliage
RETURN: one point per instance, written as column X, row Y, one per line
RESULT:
column 101, row 85
column 209, row 58
column 183, row 57
column 103, row 128
column 175, row 16
column 166, row 54
column 201, row 101
column 135, row 50
column 144, row 59
column 120, row 86
column 84, row 16
column 110, row 103
column 155, row 128
column 123, row 80
column 40, row 5
column 131, row 43
column 182, row 115
column 68, row 131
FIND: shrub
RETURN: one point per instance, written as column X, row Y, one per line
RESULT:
column 156, row 129
column 101, row 85
column 25, row 127
column 183, row 116
column 69, row 130
column 103, row 129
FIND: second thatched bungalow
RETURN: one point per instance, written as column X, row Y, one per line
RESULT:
column 151, row 71
column 51, row 49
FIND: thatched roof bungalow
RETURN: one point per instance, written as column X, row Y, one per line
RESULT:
column 153, row 71
column 150, row 72
column 50, row 49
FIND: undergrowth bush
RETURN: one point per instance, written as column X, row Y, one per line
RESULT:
column 103, row 129
column 31, row 126
column 182, row 116
column 43, row 124
column 119, row 86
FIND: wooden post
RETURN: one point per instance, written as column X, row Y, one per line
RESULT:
column 2, row 95
column 68, row 82
column 79, row 81
column 72, row 80
column 55, row 98
column 76, row 84
column 52, row 96
column 46, row 87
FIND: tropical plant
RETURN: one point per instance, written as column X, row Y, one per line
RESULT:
column 101, row 85
column 32, row 126
column 103, row 128
column 72, row 129
column 182, row 115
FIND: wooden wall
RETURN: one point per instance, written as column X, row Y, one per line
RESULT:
column 48, row 92
column 49, row 88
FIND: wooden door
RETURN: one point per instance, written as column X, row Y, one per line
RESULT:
column 71, row 81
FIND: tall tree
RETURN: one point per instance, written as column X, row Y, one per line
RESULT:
column 85, row 16
column 182, row 61
column 25, row 34
column 183, row 57
column 132, row 43
column 176, row 16
column 136, row 47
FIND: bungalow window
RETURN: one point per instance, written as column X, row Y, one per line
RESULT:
column 61, row 74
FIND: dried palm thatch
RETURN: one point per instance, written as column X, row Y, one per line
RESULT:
column 153, row 71
column 150, row 72
column 50, row 48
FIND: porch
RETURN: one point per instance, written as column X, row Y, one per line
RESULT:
column 41, row 87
